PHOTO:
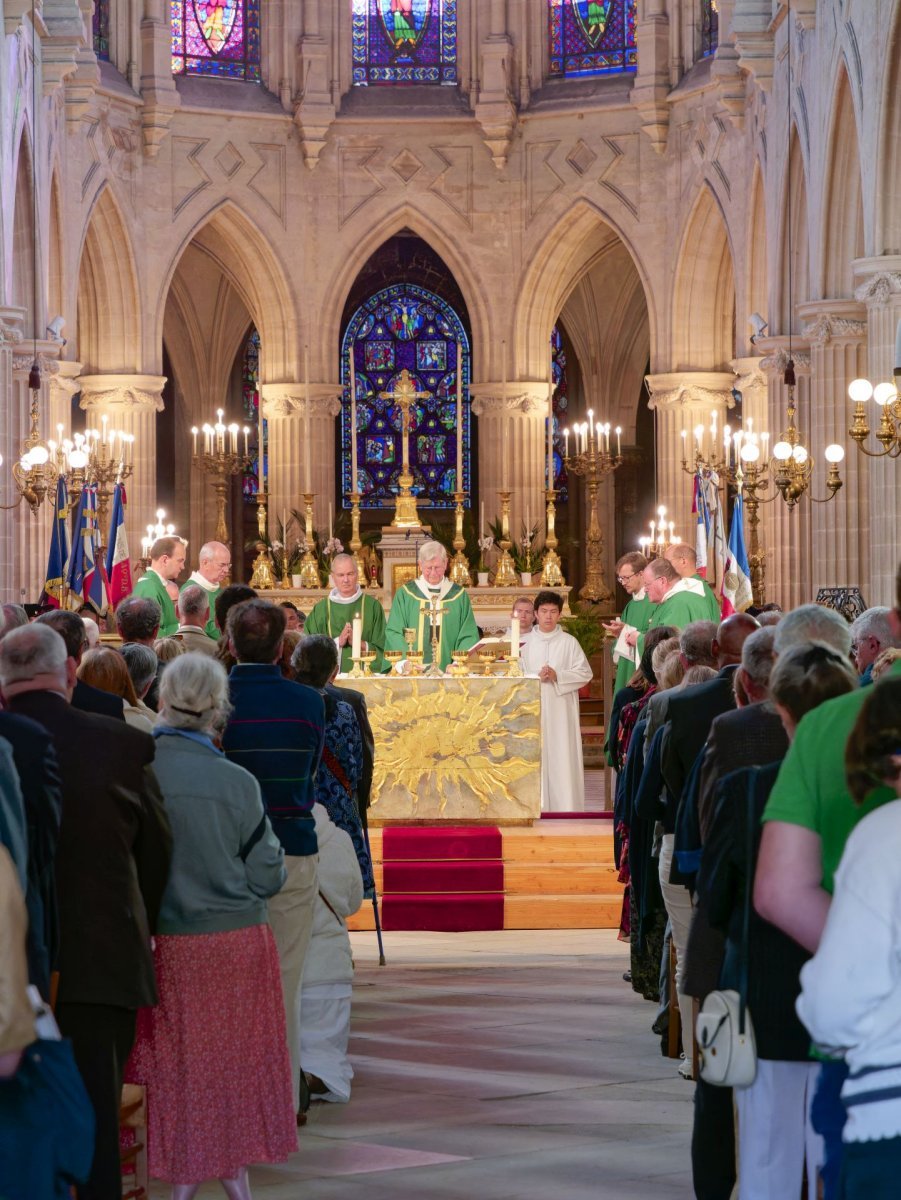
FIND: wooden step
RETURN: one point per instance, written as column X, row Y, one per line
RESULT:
column 558, row 879
column 536, row 912
column 558, row 846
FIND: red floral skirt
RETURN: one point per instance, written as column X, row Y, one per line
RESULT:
column 213, row 1057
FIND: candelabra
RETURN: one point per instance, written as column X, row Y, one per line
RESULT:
column 593, row 460
column 106, row 467
column 505, row 574
column 309, row 568
column 551, row 570
column 459, row 571
column 262, row 578
column 160, row 529
column 220, row 461
column 887, row 398
column 793, row 467
column 662, row 536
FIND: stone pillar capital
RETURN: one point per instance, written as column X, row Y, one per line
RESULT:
column 833, row 320
column 880, row 280
column 12, row 318
column 122, row 391
column 687, row 389
column 526, row 397
column 776, row 356
column 748, row 374
column 284, row 400
column 65, row 378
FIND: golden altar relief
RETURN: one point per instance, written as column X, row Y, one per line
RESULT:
column 454, row 749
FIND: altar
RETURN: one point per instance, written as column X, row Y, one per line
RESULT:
column 464, row 750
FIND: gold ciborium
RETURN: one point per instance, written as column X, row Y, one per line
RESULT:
column 459, row 663
column 393, row 657
column 487, row 659
column 414, row 658
column 367, row 660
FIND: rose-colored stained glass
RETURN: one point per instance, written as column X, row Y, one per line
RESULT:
column 216, row 37
column 591, row 37
column 404, row 41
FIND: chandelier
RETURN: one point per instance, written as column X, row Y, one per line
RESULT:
column 888, row 433
column 663, row 536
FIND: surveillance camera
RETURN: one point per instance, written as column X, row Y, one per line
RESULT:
column 759, row 326
column 55, row 329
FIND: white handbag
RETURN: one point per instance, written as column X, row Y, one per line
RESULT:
column 724, row 1033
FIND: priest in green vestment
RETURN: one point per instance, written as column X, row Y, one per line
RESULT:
column 685, row 560
column 678, row 601
column 214, row 563
column 635, row 618
column 333, row 616
column 167, row 561
column 412, row 602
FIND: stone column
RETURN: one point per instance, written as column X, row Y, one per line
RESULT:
column 880, row 291
column 512, row 449
column 681, row 400
column 652, row 79
column 131, row 403
column 11, row 403
column 789, row 571
column 292, row 419
column 753, row 385
column 839, row 530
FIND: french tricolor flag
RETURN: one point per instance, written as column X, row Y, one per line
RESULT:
column 118, row 564
column 737, row 594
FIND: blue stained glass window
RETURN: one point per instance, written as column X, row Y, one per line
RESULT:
column 710, row 27
column 561, row 410
column 405, row 327
column 591, row 37
column 250, row 374
column 216, row 37
column 404, row 41
column 101, row 29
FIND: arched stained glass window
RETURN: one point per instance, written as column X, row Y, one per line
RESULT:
column 404, row 41
column 216, row 37
column 710, row 27
column 405, row 326
column 561, row 413
column 591, row 37
column 250, row 374
column 101, row 29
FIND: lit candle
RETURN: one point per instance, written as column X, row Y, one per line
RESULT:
column 607, row 437
column 308, row 448
column 356, row 636
column 619, row 450
column 505, row 452
column 194, row 432
column 653, row 527
column 353, row 421
column 246, row 434
column 514, row 638
column 261, row 469
column 550, row 423
column 591, row 422
column 233, row 430
column 566, row 443
column 103, row 421
column 459, row 417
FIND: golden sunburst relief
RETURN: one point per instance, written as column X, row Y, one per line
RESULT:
column 457, row 749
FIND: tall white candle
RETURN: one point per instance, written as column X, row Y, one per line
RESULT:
column 528, row 523
column 194, row 436
column 514, row 638
column 308, row 449
column 329, row 520
column 459, row 417
column 353, row 422
column 261, row 470
column 356, row 636
column 618, row 446
column 550, row 423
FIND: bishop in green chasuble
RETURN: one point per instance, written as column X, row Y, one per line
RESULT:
column 334, row 615
column 410, row 610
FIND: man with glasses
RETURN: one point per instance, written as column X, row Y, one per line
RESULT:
column 214, row 564
column 636, row 615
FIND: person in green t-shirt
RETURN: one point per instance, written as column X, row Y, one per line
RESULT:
column 635, row 617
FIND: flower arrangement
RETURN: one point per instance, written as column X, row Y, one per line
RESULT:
column 332, row 547
column 524, row 561
column 486, row 545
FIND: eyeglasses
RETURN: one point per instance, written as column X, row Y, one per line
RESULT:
column 624, row 578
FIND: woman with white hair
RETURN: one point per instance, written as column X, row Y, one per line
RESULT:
column 213, row 1054
column 432, row 593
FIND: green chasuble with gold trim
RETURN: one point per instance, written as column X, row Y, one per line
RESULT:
column 329, row 616
column 410, row 610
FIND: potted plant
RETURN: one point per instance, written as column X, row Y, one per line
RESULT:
column 585, row 626
column 486, row 544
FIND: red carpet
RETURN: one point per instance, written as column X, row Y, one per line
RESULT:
column 593, row 815
column 450, row 880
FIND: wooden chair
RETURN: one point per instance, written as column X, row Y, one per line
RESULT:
column 133, row 1115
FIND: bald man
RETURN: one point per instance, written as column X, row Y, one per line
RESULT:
column 685, row 560
column 214, row 564
column 334, row 615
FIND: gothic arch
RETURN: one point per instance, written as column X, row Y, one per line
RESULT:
column 244, row 256
column 574, row 245
column 843, row 234
column 704, row 291
column 24, row 257
column 887, row 237
column 757, row 290
column 794, row 246
column 56, row 267
column 109, row 312
column 406, row 217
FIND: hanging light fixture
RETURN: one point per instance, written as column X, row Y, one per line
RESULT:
column 886, row 396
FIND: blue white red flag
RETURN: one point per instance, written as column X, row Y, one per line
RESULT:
column 737, row 593
column 118, row 564
column 57, row 561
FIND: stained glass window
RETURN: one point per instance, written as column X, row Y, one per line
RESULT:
column 710, row 27
column 591, row 37
column 406, row 326
column 216, row 37
column 561, row 406
column 101, row 29
column 250, row 374
column 404, row 41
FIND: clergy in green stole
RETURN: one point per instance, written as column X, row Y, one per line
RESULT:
column 685, row 559
column 214, row 563
column 167, row 560
column 334, row 615
column 410, row 610
column 636, row 616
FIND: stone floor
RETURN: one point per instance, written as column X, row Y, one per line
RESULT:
column 495, row 1066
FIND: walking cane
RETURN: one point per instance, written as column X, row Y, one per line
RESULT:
column 375, row 902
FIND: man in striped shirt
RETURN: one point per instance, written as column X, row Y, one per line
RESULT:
column 276, row 731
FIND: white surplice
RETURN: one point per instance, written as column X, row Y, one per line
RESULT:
column 562, row 779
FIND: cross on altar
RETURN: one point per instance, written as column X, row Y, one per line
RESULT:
column 404, row 396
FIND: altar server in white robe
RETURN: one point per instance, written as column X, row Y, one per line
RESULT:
column 558, row 661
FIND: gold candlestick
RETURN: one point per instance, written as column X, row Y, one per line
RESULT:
column 309, row 568
column 594, row 461
column 459, row 572
column 433, row 671
column 404, row 396
column 551, row 569
column 356, row 545
column 262, row 578
column 505, row 575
